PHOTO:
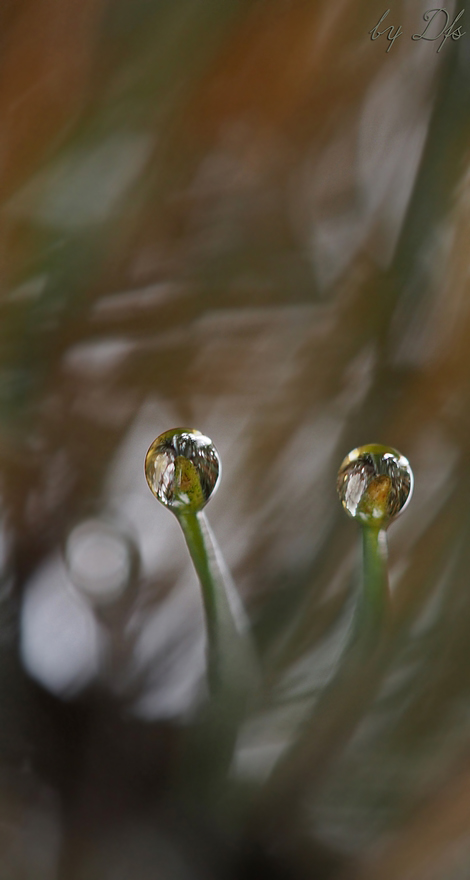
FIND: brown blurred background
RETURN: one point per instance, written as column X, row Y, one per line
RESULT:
column 245, row 216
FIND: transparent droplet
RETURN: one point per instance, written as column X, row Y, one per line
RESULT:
column 375, row 484
column 182, row 468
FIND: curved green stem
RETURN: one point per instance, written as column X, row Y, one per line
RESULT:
column 231, row 659
column 232, row 666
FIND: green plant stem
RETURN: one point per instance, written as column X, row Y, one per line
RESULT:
column 232, row 665
column 230, row 653
column 373, row 606
column 342, row 704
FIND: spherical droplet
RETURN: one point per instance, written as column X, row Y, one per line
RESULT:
column 182, row 468
column 375, row 484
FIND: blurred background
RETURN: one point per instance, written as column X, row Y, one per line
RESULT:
column 249, row 218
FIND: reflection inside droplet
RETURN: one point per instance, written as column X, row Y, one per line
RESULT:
column 182, row 468
column 375, row 483
column 98, row 561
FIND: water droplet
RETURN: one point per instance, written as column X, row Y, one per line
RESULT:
column 182, row 468
column 375, row 484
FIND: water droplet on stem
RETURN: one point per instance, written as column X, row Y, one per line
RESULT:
column 375, row 484
column 182, row 467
